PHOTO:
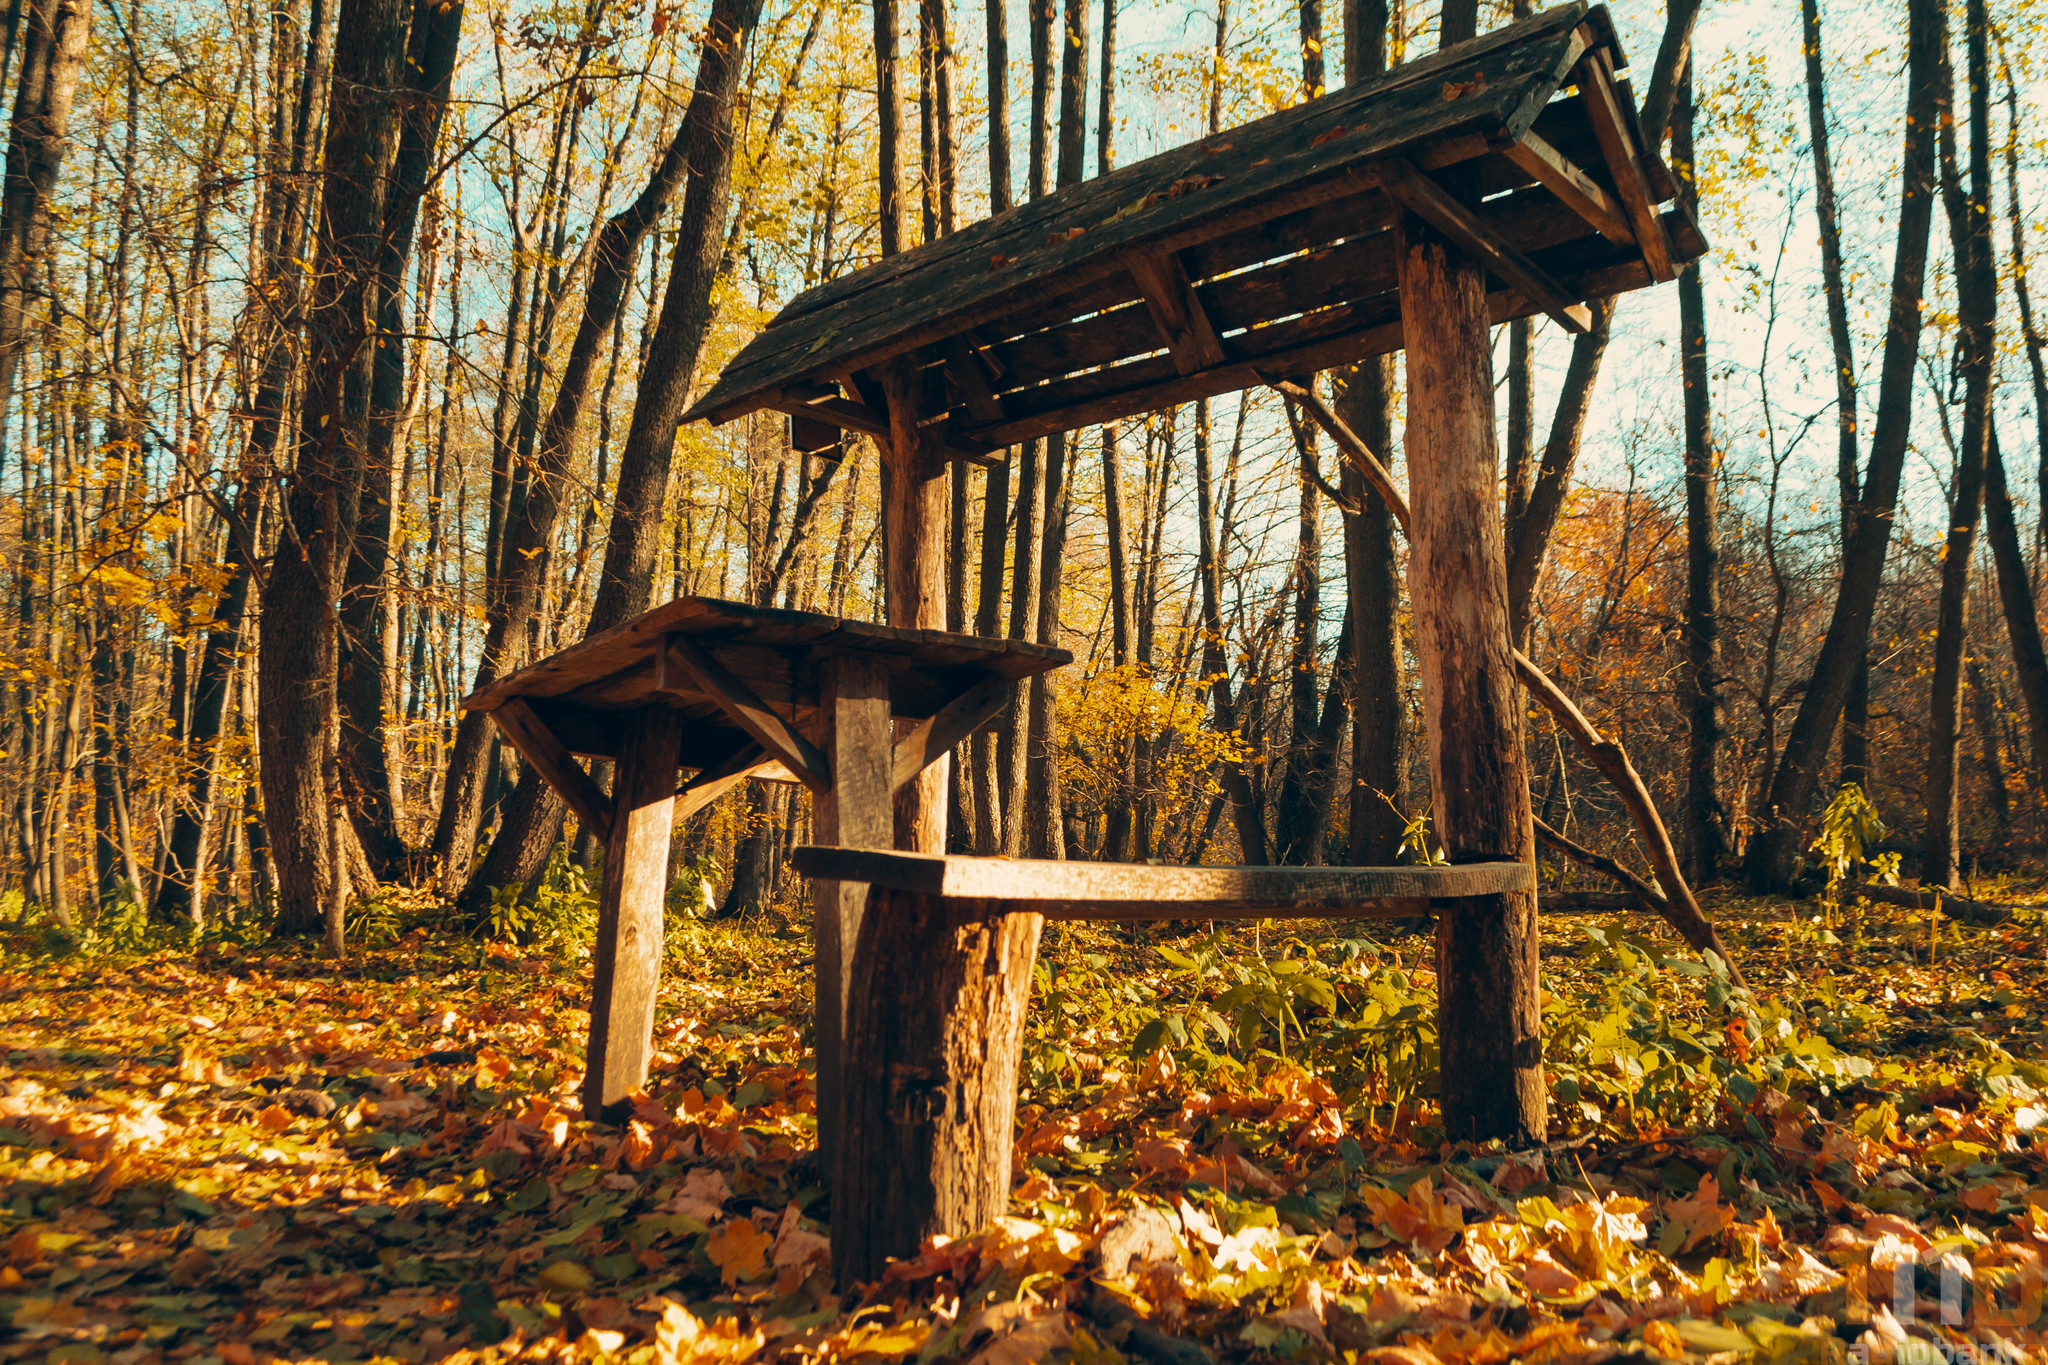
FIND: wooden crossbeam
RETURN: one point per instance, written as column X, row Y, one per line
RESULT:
column 682, row 659
column 1428, row 200
column 848, row 415
column 1113, row 887
column 955, row 721
column 1182, row 322
column 537, row 744
column 1618, row 146
column 964, row 364
column 1578, row 191
column 749, row 760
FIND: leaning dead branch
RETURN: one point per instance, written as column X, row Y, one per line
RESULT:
column 1677, row 906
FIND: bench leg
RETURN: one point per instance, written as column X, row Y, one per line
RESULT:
column 854, row 814
column 934, row 1030
column 627, row 967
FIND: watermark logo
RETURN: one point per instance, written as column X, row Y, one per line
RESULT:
column 1974, row 1292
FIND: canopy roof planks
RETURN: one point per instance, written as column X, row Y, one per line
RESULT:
column 747, row 683
column 1266, row 250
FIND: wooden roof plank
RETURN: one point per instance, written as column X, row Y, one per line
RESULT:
column 1041, row 215
column 1618, row 145
column 1182, row 321
column 1287, row 162
column 1580, row 192
column 1336, row 336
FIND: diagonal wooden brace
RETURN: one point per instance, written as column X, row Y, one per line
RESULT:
column 1428, row 200
column 537, row 744
column 747, row 710
column 936, row 735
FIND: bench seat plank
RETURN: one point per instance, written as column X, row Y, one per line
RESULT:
column 1144, row 891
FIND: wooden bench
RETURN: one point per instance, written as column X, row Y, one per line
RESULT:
column 926, row 1081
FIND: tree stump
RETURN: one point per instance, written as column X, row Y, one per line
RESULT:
column 934, row 1030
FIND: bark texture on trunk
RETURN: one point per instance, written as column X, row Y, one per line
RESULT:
column 58, row 33
column 1969, row 218
column 298, row 662
column 1704, row 816
column 933, row 1039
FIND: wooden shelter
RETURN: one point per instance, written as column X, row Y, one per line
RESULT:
column 1501, row 178
column 1267, row 249
column 733, row 692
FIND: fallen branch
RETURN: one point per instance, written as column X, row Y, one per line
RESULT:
column 1977, row 914
column 1640, row 891
column 1589, row 902
column 1126, row 1328
column 1677, row 907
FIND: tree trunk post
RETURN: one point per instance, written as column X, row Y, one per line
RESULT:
column 934, row 1031
column 854, row 814
column 926, row 1085
column 1489, row 1021
column 629, row 910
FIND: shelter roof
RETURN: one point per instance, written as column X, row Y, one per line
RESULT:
column 1265, row 250
column 582, row 693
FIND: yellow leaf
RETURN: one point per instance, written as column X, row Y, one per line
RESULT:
column 567, row 1276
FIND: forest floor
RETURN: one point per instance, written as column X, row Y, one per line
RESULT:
column 237, row 1152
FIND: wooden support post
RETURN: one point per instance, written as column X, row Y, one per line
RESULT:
column 914, row 530
column 935, row 1027
column 1488, row 1019
column 855, row 813
column 629, row 910
column 927, row 1068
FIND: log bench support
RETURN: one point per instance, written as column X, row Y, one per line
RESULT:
column 1489, row 1022
column 926, row 1090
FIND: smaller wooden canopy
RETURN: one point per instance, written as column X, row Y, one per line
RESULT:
column 748, row 684
column 1268, row 250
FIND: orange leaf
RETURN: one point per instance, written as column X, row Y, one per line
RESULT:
column 739, row 1250
column 1703, row 1216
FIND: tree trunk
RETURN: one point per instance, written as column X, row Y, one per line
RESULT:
column 1490, row 1025
column 933, row 1039
column 365, row 687
column 1856, row 709
column 298, row 660
column 533, row 819
column 532, row 515
column 1528, row 539
column 2022, row 625
column 983, row 750
column 1372, row 567
column 1767, row 863
column 52, row 60
column 1969, row 218
column 1703, row 819
column 1245, row 808
column 1296, row 832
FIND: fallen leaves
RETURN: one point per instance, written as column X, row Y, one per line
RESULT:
column 396, row 1159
